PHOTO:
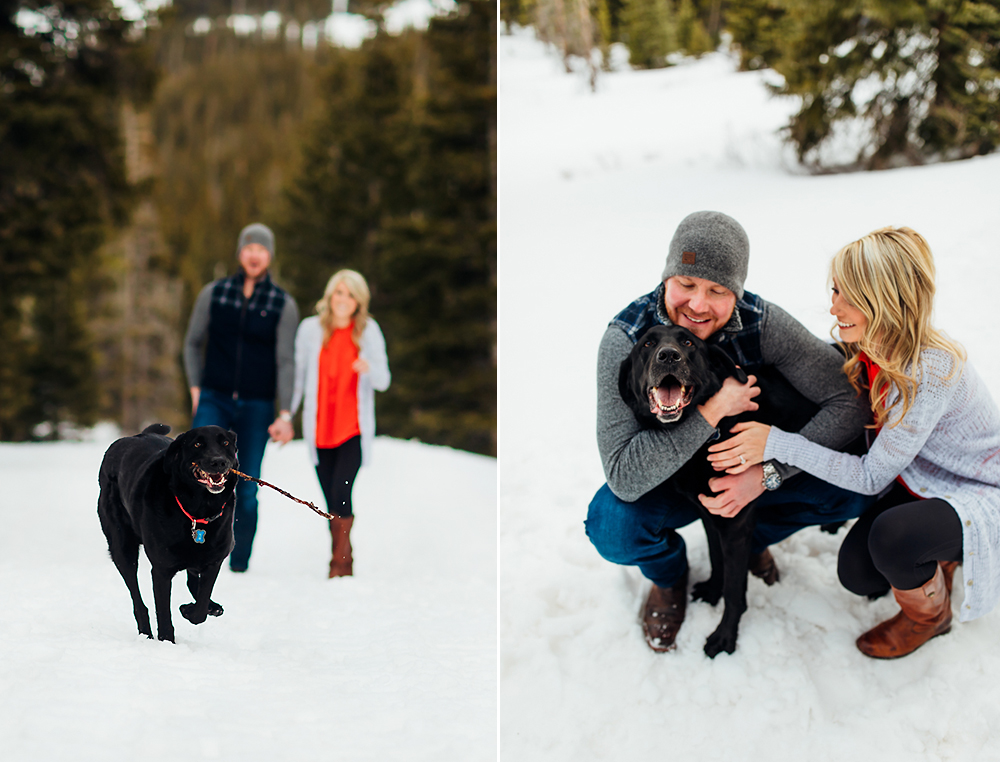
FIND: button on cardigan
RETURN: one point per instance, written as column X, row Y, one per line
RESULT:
column 947, row 446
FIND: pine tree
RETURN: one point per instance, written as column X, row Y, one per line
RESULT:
column 440, row 259
column 62, row 188
column 397, row 180
column 921, row 74
column 692, row 37
column 648, row 29
column 758, row 28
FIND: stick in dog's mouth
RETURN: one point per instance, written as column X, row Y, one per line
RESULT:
column 214, row 483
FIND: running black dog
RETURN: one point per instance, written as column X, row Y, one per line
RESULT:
column 668, row 372
column 176, row 498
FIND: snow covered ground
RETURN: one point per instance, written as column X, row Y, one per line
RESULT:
column 395, row 663
column 592, row 187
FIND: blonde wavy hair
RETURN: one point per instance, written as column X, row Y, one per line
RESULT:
column 889, row 276
column 358, row 287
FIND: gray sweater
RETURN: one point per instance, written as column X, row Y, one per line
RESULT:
column 636, row 460
column 947, row 446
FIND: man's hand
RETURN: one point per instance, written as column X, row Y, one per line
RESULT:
column 732, row 399
column 281, row 431
column 195, row 396
column 735, row 492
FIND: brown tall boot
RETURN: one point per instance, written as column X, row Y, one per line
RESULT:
column 948, row 568
column 342, row 563
column 762, row 565
column 926, row 613
column 663, row 614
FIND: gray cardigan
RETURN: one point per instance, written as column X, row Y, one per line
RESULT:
column 636, row 460
column 947, row 446
column 308, row 343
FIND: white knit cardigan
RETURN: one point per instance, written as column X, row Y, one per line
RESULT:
column 308, row 343
column 947, row 446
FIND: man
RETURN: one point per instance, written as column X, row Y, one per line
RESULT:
column 634, row 517
column 239, row 351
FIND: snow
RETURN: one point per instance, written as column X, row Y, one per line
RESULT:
column 592, row 186
column 397, row 662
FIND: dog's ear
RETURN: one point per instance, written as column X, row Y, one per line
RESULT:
column 724, row 366
column 173, row 453
column 232, row 441
column 630, row 386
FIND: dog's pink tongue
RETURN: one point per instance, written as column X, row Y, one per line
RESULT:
column 668, row 395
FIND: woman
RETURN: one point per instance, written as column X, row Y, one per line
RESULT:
column 936, row 456
column 340, row 362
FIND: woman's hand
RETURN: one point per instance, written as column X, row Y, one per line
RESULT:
column 738, row 453
column 360, row 366
column 732, row 399
column 281, row 431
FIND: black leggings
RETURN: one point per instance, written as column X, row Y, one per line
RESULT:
column 338, row 466
column 898, row 542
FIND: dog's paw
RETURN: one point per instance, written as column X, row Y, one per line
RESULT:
column 214, row 609
column 167, row 636
column 706, row 591
column 718, row 642
column 188, row 612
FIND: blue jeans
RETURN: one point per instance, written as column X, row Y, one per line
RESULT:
column 249, row 419
column 644, row 533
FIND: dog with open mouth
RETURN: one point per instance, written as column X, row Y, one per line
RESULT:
column 670, row 372
column 177, row 499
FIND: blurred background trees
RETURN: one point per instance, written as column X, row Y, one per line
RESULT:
column 918, row 80
column 132, row 153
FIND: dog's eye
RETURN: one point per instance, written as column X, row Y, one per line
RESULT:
column 649, row 343
column 687, row 342
column 197, row 444
column 226, row 443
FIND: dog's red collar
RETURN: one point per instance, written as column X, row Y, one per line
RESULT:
column 198, row 535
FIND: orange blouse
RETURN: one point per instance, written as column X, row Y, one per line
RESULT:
column 872, row 368
column 337, row 403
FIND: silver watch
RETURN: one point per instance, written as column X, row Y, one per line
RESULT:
column 772, row 479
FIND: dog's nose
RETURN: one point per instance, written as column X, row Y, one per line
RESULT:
column 667, row 354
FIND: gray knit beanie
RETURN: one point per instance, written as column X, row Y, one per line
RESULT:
column 256, row 233
column 710, row 245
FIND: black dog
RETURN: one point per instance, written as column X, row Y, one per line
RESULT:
column 671, row 371
column 177, row 498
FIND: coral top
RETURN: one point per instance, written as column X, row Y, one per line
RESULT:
column 872, row 368
column 337, row 401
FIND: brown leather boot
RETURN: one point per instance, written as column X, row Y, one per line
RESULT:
column 948, row 568
column 762, row 565
column 342, row 563
column 926, row 613
column 663, row 615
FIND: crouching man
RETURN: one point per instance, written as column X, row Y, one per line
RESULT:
column 633, row 519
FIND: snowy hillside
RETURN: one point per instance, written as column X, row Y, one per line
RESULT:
column 592, row 187
column 395, row 663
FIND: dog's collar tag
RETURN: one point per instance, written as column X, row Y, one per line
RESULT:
column 198, row 535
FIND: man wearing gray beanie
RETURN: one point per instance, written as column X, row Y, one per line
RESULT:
column 239, row 355
column 633, row 519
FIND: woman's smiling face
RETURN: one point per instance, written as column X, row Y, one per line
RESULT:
column 850, row 320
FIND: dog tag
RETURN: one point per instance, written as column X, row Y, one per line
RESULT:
column 198, row 535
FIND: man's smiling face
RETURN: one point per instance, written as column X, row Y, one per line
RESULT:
column 701, row 306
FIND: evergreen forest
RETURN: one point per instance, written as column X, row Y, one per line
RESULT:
column 918, row 79
column 132, row 152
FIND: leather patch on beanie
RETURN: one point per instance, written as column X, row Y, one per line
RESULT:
column 688, row 257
